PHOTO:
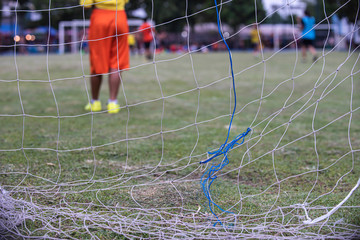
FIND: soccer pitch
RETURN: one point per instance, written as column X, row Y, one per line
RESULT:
column 143, row 163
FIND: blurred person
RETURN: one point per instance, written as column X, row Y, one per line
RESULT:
column 22, row 45
column 132, row 43
column 255, row 40
column 109, row 49
column 161, row 44
column 146, row 37
column 307, row 24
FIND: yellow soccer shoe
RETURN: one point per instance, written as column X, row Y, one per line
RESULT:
column 113, row 107
column 95, row 106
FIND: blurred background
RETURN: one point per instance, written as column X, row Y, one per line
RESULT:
column 60, row 26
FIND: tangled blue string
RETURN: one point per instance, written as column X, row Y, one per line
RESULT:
column 210, row 175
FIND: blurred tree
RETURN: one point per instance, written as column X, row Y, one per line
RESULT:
column 242, row 12
column 232, row 12
column 61, row 10
column 349, row 9
column 1, row 6
column 161, row 11
column 274, row 18
column 277, row 18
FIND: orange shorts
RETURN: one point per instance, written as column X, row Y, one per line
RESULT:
column 108, row 41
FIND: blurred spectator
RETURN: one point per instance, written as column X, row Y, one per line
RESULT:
column 22, row 45
column 307, row 24
column 132, row 43
column 146, row 37
column 255, row 36
column 161, row 44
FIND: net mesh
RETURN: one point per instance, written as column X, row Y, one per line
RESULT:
column 148, row 172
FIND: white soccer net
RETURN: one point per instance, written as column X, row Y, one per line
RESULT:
column 207, row 145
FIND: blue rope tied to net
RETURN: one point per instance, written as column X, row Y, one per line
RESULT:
column 226, row 147
column 210, row 175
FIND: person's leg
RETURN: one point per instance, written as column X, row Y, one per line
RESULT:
column 114, row 84
column 303, row 51
column 313, row 52
column 119, row 60
column 258, row 48
column 99, row 46
column 148, row 54
column 95, row 82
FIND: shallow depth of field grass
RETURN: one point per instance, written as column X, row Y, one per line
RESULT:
column 173, row 112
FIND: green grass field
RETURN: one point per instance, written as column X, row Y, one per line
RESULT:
column 143, row 163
